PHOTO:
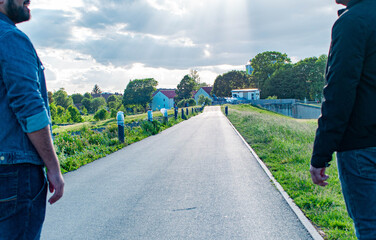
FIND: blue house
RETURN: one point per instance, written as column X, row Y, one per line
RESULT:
column 163, row 98
column 206, row 91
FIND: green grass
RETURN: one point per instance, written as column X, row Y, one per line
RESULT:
column 89, row 121
column 285, row 145
column 75, row 151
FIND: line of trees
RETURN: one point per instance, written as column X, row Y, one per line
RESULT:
column 273, row 73
column 71, row 109
column 276, row 77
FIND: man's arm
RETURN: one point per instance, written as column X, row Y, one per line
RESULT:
column 42, row 142
column 345, row 65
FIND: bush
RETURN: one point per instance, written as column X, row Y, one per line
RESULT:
column 75, row 115
column 204, row 100
column 101, row 114
column 192, row 102
column 97, row 103
column 113, row 113
column 151, row 128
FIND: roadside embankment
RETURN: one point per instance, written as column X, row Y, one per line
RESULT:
column 285, row 144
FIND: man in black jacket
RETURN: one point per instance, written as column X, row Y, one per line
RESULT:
column 348, row 120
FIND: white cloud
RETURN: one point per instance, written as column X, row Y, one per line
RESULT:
column 172, row 6
column 87, row 42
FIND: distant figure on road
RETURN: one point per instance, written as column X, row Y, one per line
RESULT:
column 25, row 137
column 348, row 121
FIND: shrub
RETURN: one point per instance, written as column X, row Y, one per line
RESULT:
column 151, row 128
column 204, row 100
column 113, row 113
column 101, row 114
column 75, row 115
column 192, row 102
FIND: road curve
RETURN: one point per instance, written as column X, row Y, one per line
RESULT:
column 196, row 180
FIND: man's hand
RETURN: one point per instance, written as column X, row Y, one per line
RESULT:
column 56, row 185
column 42, row 142
column 318, row 176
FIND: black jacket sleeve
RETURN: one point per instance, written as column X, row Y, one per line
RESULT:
column 343, row 74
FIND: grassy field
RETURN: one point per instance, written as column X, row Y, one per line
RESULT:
column 285, row 145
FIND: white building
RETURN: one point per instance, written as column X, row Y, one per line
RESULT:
column 249, row 68
column 163, row 98
column 206, row 91
column 246, row 94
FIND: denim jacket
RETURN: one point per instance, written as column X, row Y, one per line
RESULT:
column 23, row 95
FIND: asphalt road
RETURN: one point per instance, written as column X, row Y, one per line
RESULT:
column 196, row 180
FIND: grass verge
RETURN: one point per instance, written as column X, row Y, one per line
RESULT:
column 91, row 123
column 76, row 150
column 285, row 145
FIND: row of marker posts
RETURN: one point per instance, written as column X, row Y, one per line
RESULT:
column 120, row 119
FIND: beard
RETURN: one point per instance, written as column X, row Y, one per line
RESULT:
column 17, row 13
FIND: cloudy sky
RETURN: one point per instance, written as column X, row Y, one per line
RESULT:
column 87, row 42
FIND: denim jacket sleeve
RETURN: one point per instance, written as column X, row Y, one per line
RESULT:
column 343, row 74
column 19, row 70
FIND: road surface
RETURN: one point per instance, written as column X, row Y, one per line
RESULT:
column 196, row 180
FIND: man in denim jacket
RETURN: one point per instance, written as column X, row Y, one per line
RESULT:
column 25, row 137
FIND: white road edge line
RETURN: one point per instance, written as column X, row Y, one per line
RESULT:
column 303, row 219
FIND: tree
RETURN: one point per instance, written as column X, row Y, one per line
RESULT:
column 191, row 102
column 84, row 111
column 114, row 102
column 75, row 115
column 317, row 82
column 202, row 100
column 185, row 88
column 53, row 111
column 96, row 89
column 111, row 98
column 223, row 84
column 140, row 92
column 302, row 80
column 113, row 113
column 86, row 103
column 195, row 76
column 77, row 98
column 50, row 98
column 61, row 98
column 88, row 95
column 264, row 65
column 59, row 111
column 284, row 83
column 186, row 102
column 96, row 103
column 101, row 114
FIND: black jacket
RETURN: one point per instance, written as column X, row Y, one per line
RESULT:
column 348, row 119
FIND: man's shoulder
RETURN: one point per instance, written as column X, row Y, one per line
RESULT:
column 363, row 11
column 7, row 30
column 360, row 16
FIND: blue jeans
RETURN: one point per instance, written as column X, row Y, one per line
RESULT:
column 357, row 173
column 23, row 192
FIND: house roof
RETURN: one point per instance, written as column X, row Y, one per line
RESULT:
column 170, row 93
column 207, row 89
column 245, row 90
